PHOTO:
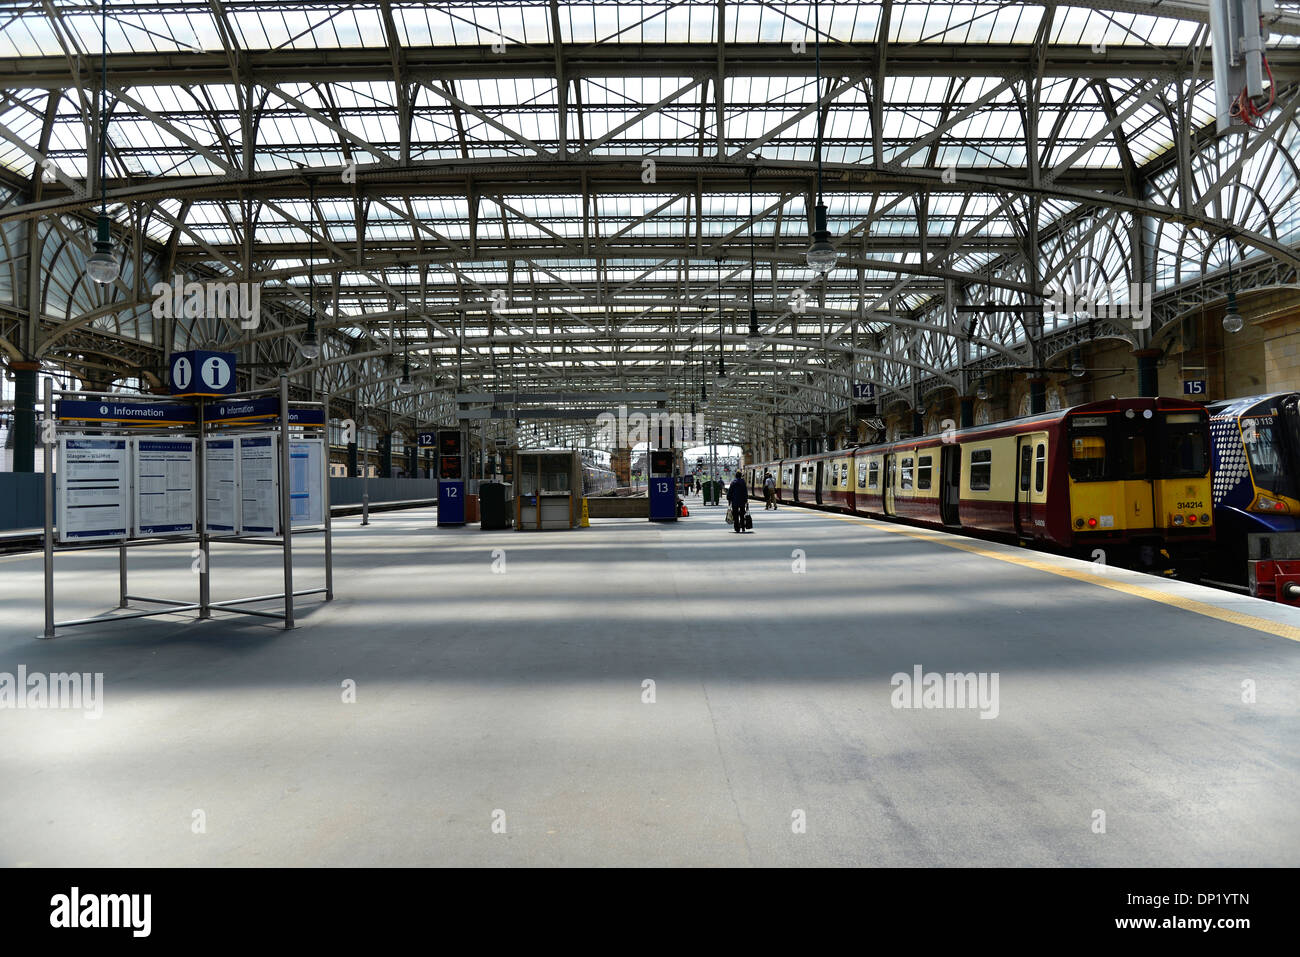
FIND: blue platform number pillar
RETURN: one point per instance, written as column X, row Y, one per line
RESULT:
column 451, row 479
column 663, row 486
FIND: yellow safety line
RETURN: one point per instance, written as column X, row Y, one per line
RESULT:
column 1139, row 591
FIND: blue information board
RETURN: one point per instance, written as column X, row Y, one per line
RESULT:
column 451, row 502
column 663, row 498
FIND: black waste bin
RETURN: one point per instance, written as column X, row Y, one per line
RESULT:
column 495, row 506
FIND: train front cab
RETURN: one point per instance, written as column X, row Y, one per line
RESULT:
column 1256, row 454
column 1139, row 478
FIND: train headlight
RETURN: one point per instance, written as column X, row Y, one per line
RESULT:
column 1092, row 523
column 1191, row 519
column 1265, row 504
column 1178, row 520
column 1205, row 519
column 1078, row 523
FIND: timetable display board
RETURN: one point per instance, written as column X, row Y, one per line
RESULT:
column 221, row 480
column 259, row 485
column 164, row 487
column 94, row 490
column 306, row 482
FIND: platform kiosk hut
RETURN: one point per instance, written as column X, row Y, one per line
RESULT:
column 548, row 489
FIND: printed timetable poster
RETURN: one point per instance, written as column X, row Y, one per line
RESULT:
column 259, row 496
column 306, row 482
column 164, row 487
column 94, row 489
column 221, row 478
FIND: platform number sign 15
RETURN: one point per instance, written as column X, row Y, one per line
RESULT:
column 1193, row 387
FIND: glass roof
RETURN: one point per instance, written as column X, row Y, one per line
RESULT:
column 482, row 170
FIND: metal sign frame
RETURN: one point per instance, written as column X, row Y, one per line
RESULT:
column 201, row 431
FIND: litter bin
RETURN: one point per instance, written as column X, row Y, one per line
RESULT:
column 495, row 503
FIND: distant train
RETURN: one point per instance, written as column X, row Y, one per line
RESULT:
column 340, row 470
column 596, row 480
column 1130, row 477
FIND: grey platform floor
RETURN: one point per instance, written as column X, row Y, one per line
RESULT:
column 516, row 696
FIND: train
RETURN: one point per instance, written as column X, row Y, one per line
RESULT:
column 1124, row 481
column 597, row 480
column 1256, row 458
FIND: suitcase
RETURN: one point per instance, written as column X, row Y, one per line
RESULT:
column 749, row 522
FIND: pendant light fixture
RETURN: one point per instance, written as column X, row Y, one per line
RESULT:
column 310, row 347
column 102, row 265
column 1232, row 321
column 821, row 254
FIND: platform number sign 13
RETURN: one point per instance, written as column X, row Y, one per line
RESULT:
column 661, row 486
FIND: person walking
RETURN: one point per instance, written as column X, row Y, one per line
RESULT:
column 738, row 499
column 769, row 491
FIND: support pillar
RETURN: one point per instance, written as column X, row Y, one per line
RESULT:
column 354, row 465
column 967, row 411
column 386, row 455
column 1148, row 374
column 25, row 415
column 1037, row 396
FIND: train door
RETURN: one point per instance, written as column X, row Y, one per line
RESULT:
column 817, row 481
column 890, row 482
column 950, row 484
column 1024, row 477
column 1139, row 482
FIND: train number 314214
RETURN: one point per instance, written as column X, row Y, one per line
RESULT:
column 1190, row 505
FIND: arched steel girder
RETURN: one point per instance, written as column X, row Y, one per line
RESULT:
column 840, row 177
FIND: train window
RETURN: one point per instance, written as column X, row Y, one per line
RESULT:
column 1183, row 453
column 923, row 471
column 1026, row 454
column 844, row 476
column 1088, row 458
column 1040, row 467
column 981, row 470
column 873, row 475
column 862, row 475
column 905, row 476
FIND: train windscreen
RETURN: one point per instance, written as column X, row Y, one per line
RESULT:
column 1184, row 451
column 1266, row 448
column 1091, row 458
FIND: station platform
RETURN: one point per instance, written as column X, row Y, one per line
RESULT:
column 500, row 678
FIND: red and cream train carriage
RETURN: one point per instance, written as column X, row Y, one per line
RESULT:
column 1122, row 474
